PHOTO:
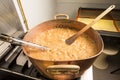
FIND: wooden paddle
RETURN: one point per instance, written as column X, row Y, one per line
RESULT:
column 71, row 39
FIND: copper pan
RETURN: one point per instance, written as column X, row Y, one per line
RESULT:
column 63, row 70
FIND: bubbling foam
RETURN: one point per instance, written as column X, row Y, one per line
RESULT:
column 83, row 47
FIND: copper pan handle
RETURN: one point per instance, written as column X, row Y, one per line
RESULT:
column 61, row 16
column 63, row 69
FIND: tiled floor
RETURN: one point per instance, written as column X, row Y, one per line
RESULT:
column 105, row 74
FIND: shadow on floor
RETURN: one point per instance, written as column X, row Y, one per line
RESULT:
column 105, row 74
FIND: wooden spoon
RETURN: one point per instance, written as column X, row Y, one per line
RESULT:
column 71, row 39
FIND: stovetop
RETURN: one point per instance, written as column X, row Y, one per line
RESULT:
column 15, row 65
column 11, row 69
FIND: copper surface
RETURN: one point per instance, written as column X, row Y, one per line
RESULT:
column 84, row 64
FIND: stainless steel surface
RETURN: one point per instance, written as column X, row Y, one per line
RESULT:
column 4, row 47
column 21, row 59
column 1, row 42
column 30, row 44
column 9, row 56
column 9, row 20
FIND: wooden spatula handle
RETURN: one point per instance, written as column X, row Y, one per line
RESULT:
column 71, row 39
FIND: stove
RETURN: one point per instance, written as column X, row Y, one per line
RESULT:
column 11, row 66
column 14, row 64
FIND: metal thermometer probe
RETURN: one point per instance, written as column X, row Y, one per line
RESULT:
column 7, row 38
